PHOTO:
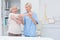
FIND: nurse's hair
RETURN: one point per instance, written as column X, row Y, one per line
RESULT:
column 28, row 4
column 14, row 7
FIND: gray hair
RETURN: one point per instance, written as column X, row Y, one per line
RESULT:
column 13, row 8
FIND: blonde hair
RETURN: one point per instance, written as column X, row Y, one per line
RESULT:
column 28, row 4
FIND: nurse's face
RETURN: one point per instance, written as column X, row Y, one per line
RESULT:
column 28, row 8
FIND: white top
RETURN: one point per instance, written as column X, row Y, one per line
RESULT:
column 13, row 27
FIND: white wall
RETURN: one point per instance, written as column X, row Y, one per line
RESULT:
column 15, row 3
column 0, row 20
column 53, row 8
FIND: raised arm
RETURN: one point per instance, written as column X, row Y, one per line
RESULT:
column 33, row 18
column 15, row 19
column 20, row 18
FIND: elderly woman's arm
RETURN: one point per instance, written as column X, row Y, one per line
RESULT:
column 15, row 19
column 20, row 18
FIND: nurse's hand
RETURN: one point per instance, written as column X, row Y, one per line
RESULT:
column 33, row 20
column 30, row 15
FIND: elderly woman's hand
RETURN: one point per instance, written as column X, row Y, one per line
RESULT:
column 21, row 15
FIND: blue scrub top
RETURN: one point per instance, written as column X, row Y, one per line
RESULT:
column 29, row 26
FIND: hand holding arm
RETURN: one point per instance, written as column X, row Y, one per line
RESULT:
column 33, row 20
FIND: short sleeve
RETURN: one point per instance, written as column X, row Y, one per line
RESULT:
column 36, row 18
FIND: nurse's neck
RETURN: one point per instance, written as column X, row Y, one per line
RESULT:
column 29, row 11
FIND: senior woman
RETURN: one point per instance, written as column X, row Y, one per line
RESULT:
column 14, row 23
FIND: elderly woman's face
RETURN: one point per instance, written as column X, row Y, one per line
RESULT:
column 28, row 8
column 14, row 10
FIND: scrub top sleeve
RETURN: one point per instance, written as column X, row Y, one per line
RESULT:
column 36, row 18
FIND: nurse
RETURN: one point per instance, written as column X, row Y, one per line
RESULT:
column 30, row 21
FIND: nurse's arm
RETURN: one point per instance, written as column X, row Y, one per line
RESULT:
column 33, row 20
